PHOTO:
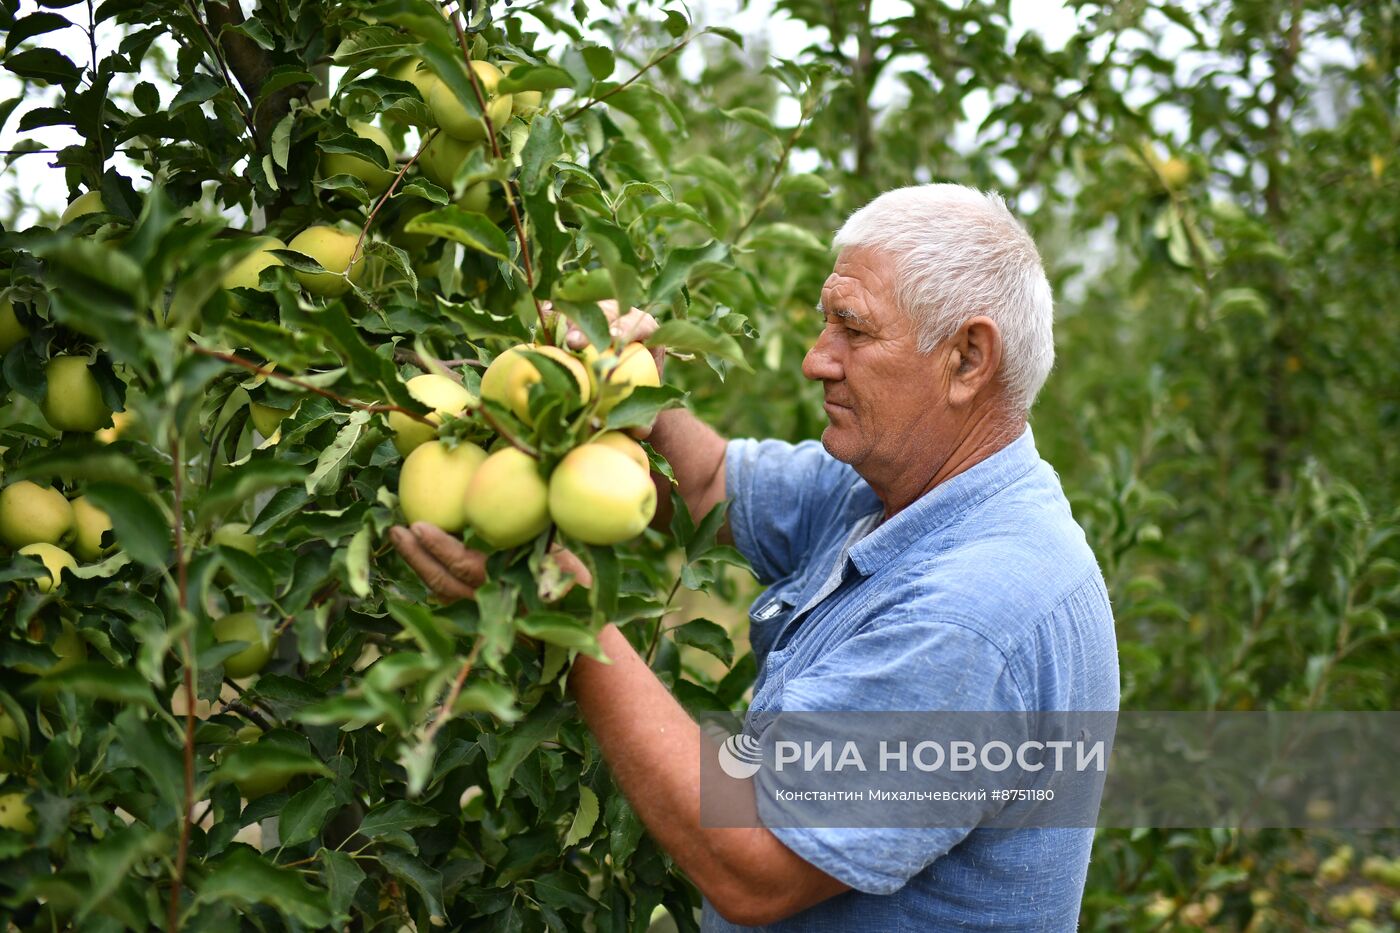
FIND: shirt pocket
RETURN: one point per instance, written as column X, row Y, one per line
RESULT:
column 768, row 616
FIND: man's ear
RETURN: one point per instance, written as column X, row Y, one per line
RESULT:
column 976, row 349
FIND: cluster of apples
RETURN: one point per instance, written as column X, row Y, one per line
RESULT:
column 460, row 133
column 600, row 492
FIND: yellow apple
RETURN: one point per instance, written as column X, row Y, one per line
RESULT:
column 455, row 119
column 33, row 514
column 72, row 397
column 507, row 500
column 11, row 330
column 121, row 422
column 509, row 377
column 633, row 367
column 15, row 813
column 524, row 102
column 243, row 626
column 1175, row 172
column 8, row 731
column 600, row 495
column 266, row 418
column 91, row 523
column 245, row 273
column 332, row 248
column 441, row 157
column 68, row 647
column 624, row 444
column 443, row 395
column 236, row 536
column 433, row 484
column 55, row 558
column 376, row 179
column 81, row 206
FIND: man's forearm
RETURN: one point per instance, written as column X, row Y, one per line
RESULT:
column 696, row 454
column 653, row 748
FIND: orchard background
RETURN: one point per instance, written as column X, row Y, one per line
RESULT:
column 1217, row 197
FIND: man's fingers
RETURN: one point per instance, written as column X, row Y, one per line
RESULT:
column 462, row 562
column 438, row 578
column 634, row 325
column 569, row 563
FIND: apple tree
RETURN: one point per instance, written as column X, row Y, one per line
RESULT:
column 299, row 236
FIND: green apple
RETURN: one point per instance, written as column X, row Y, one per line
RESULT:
column 81, row 206
column 509, row 377
column 633, row 367
column 243, row 626
column 415, row 73
column 15, row 813
column 600, row 495
column 72, row 397
column 443, row 395
column 455, row 119
column 624, row 444
column 376, row 179
column 245, row 273
column 433, row 484
column 440, row 158
column 11, row 330
column 91, row 524
column 333, row 249
column 55, row 558
column 33, row 514
column 507, row 500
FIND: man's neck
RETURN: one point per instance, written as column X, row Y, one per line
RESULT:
column 925, row 469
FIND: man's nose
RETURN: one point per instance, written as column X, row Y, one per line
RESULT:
column 821, row 363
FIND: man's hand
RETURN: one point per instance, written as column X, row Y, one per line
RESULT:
column 452, row 570
column 636, row 325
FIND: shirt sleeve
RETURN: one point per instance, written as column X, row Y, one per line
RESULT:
column 779, row 495
column 910, row 665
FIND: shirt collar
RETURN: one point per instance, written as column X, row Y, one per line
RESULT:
column 944, row 503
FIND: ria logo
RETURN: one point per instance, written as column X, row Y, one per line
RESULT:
column 740, row 756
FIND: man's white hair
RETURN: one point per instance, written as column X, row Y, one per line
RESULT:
column 958, row 253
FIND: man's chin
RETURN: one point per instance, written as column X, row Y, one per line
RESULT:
column 839, row 444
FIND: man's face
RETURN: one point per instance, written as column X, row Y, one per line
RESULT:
column 882, row 394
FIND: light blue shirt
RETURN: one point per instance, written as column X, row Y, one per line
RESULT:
column 981, row 595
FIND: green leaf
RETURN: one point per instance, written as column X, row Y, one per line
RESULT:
column 268, row 761
column 641, row 407
column 242, row 483
column 306, row 813
column 584, row 818
column 472, row 230
column 424, row 880
column 149, row 747
column 710, row 637
column 245, row 879
column 557, row 628
column 681, row 264
column 565, row 891
column 426, row 629
column 113, row 859
column 782, row 235
column 544, row 146
column 699, row 337
column 398, row 816
column 342, row 877
column 484, row 696
column 140, row 526
column 101, row 682
column 535, row 78
column 541, row 726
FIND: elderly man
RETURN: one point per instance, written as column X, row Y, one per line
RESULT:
column 921, row 557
